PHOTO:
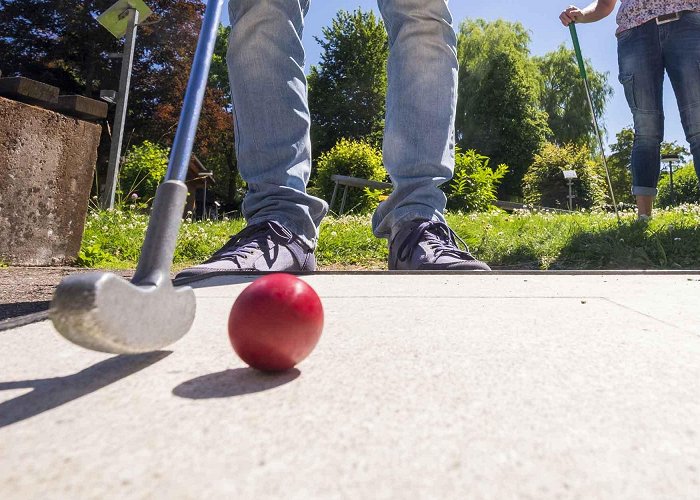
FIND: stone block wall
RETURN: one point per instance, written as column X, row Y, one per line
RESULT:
column 47, row 162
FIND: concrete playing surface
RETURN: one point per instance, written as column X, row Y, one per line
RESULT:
column 435, row 386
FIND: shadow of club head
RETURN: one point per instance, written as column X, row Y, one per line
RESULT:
column 103, row 312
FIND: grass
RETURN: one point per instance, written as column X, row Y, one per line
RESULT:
column 671, row 240
column 583, row 240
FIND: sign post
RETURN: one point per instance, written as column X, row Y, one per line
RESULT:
column 121, row 19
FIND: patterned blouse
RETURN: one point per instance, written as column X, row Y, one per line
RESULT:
column 634, row 13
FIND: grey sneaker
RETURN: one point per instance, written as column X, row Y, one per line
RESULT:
column 424, row 245
column 264, row 247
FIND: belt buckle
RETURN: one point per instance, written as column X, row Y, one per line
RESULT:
column 668, row 18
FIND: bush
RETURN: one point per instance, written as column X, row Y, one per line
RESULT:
column 686, row 188
column 355, row 159
column 143, row 170
column 474, row 184
column 544, row 183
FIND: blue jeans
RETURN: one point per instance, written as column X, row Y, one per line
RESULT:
column 644, row 53
column 271, row 114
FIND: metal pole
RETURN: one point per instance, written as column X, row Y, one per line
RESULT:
column 670, row 173
column 204, row 201
column 335, row 192
column 120, row 114
column 345, row 198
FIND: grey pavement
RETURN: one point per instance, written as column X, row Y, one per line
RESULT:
column 430, row 386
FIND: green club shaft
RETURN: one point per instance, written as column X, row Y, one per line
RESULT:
column 584, row 76
column 577, row 49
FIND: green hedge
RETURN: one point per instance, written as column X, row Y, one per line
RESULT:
column 474, row 184
column 354, row 159
column 544, row 184
column 686, row 188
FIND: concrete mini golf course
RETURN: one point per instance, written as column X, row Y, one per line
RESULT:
column 430, row 386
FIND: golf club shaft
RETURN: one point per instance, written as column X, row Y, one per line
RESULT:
column 194, row 95
column 166, row 216
column 599, row 136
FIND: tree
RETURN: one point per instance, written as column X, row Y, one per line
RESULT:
column 498, row 111
column 214, row 142
column 218, row 73
column 347, row 89
column 563, row 97
column 60, row 42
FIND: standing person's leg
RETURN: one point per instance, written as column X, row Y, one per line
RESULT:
column 273, row 149
column 642, row 75
column 419, row 143
column 682, row 56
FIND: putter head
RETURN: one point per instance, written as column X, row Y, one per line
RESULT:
column 103, row 312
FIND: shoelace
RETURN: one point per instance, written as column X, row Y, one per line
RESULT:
column 248, row 241
column 440, row 238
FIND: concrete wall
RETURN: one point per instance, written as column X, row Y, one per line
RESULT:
column 46, row 170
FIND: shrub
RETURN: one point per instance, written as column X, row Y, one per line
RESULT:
column 544, row 183
column 143, row 170
column 686, row 188
column 355, row 159
column 474, row 184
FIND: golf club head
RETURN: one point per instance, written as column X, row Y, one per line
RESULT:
column 103, row 312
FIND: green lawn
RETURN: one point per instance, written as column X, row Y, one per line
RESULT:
column 671, row 240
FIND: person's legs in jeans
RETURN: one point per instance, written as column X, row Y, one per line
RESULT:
column 642, row 74
column 419, row 143
column 268, row 87
column 681, row 49
column 420, row 111
column 271, row 117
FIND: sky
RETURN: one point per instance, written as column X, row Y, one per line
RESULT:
column 541, row 18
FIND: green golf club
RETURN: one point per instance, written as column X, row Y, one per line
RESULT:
column 584, row 76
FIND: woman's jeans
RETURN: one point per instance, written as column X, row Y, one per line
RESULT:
column 644, row 53
column 270, row 105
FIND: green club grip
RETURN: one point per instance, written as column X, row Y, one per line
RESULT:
column 577, row 49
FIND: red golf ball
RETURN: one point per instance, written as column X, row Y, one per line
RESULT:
column 275, row 322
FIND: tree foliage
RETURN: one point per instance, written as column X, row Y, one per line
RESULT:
column 60, row 42
column 347, row 89
column 686, row 187
column 498, row 111
column 564, row 99
column 143, row 169
column 214, row 143
column 544, row 183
